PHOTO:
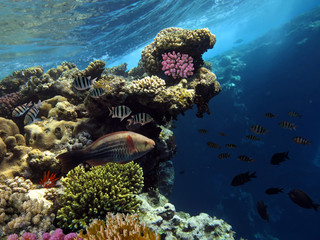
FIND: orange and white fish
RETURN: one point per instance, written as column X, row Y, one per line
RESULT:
column 117, row 147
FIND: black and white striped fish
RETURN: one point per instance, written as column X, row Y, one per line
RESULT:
column 294, row 114
column 224, row 155
column 140, row 119
column 287, row 125
column 252, row 137
column 270, row 115
column 22, row 109
column 258, row 129
column 97, row 92
column 82, row 83
column 121, row 112
column 230, row 145
column 301, row 141
column 245, row 158
column 32, row 113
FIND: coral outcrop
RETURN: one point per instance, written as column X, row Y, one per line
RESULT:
column 191, row 42
column 92, row 194
column 161, row 217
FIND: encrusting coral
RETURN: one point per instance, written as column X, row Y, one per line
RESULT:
column 120, row 227
column 92, row 194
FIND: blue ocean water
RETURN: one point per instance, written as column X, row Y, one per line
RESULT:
column 277, row 77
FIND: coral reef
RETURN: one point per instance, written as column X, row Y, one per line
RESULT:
column 161, row 217
column 177, row 65
column 92, row 194
column 191, row 42
column 55, row 235
column 119, row 226
column 18, row 212
column 8, row 102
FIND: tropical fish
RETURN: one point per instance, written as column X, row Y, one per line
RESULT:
column 287, row 125
column 270, row 115
column 222, row 134
column 230, row 145
column 224, row 155
column 262, row 210
column 213, row 145
column 277, row 158
column 245, row 158
column 302, row 199
column 117, row 147
column 252, row 137
column 294, row 114
column 258, row 129
column 271, row 191
column 82, row 83
column 301, row 141
column 203, row 131
column 32, row 113
column 140, row 119
column 22, row 109
column 97, row 92
column 242, row 178
column 121, row 112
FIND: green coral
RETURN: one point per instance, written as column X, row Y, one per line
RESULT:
column 92, row 194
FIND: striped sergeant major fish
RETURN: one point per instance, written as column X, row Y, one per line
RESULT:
column 301, row 141
column 140, row 119
column 294, row 114
column 121, row 112
column 82, row 83
column 22, row 109
column 32, row 113
column 287, row 125
column 258, row 129
column 116, row 147
column 96, row 92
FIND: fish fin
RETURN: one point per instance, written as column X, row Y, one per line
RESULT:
column 70, row 160
column 281, row 190
column 132, row 148
column 110, row 111
column 315, row 206
column 253, row 175
column 286, row 155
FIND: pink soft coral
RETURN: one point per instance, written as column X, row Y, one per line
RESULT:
column 177, row 64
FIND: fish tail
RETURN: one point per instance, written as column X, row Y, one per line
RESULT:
column 110, row 111
column 70, row 160
column 253, row 175
column 316, row 206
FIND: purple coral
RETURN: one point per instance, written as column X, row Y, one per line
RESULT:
column 56, row 235
column 13, row 237
column 177, row 64
column 29, row 236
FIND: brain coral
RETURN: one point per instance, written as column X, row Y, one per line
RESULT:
column 92, row 194
column 191, row 42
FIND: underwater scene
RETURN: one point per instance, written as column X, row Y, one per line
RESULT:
column 189, row 120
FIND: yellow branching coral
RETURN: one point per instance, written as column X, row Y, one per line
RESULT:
column 92, row 194
column 119, row 226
